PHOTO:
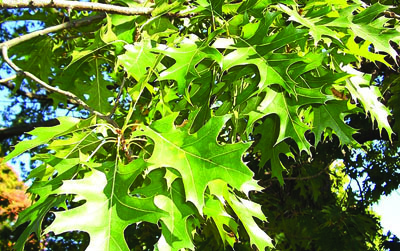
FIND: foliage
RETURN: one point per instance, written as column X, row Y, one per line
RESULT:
column 171, row 103
column 12, row 200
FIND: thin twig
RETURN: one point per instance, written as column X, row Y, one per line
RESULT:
column 48, row 87
column 27, row 94
column 88, row 6
column 8, row 44
column 391, row 14
column 30, row 95
column 117, row 98
column 42, row 83
column 311, row 176
column 66, row 25
column 6, row 81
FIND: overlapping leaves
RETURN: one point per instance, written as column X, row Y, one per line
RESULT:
column 109, row 205
column 198, row 157
column 182, row 167
column 108, row 209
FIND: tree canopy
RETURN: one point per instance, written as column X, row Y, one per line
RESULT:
column 203, row 124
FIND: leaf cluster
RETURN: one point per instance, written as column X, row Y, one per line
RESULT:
column 184, row 94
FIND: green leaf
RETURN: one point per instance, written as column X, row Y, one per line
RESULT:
column 287, row 109
column 35, row 214
column 44, row 135
column 270, row 150
column 108, row 208
column 272, row 68
column 360, row 25
column 214, row 208
column 198, row 157
column 331, row 115
column 98, row 91
column 363, row 50
column 359, row 88
column 167, row 7
column 124, row 27
column 137, row 59
column 317, row 31
column 176, row 234
column 246, row 212
column 176, row 230
column 80, row 53
column 213, row 6
column 367, row 15
column 187, row 55
column 44, row 185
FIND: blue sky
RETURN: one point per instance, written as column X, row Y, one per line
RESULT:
column 388, row 208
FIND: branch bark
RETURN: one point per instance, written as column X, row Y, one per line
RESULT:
column 66, row 25
column 30, row 95
column 8, row 44
column 109, row 8
column 311, row 176
column 47, row 86
column 6, row 82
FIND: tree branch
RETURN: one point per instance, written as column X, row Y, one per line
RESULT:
column 109, row 8
column 45, row 85
column 391, row 15
column 306, row 177
column 66, row 25
column 7, row 80
column 311, row 176
column 8, row 44
column 30, row 95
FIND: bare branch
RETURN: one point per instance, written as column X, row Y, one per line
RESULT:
column 7, row 80
column 121, row 88
column 8, row 44
column 391, row 14
column 43, row 84
column 30, row 95
column 311, row 176
column 66, row 25
column 89, row 6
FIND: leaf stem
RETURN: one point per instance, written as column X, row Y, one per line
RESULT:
column 121, row 88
